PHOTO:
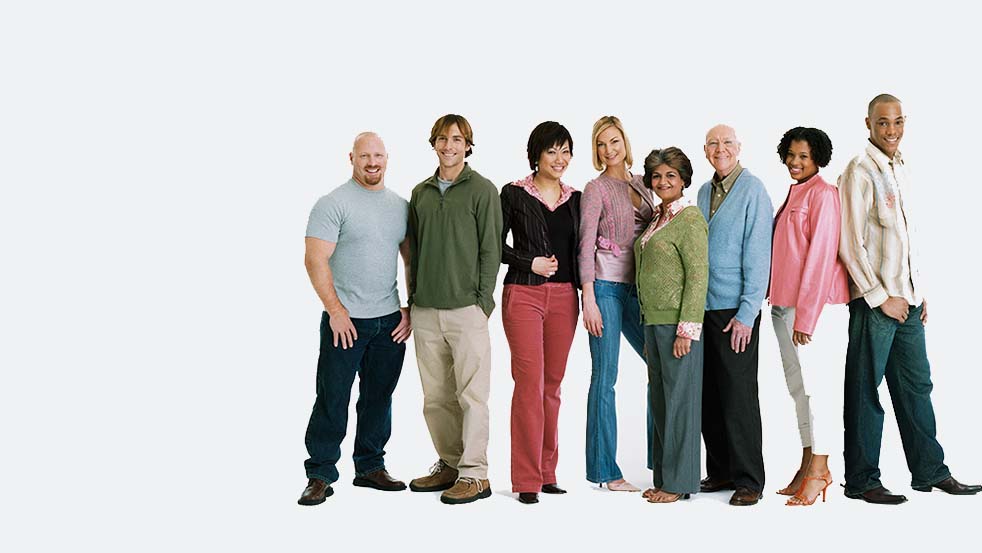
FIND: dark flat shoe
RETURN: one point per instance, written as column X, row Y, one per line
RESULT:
column 316, row 492
column 878, row 496
column 552, row 488
column 948, row 485
column 744, row 497
column 528, row 498
column 379, row 480
column 710, row 485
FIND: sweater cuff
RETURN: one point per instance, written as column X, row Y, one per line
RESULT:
column 747, row 315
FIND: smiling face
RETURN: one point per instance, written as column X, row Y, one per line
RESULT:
column 722, row 149
column 554, row 160
column 886, row 127
column 801, row 165
column 667, row 183
column 451, row 147
column 610, row 147
column 368, row 159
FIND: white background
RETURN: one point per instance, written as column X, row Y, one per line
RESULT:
column 159, row 333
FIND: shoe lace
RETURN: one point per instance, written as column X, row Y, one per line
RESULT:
column 474, row 481
column 437, row 467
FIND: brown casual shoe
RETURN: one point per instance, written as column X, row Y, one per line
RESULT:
column 380, row 480
column 710, row 485
column 466, row 490
column 442, row 477
column 316, row 492
column 744, row 497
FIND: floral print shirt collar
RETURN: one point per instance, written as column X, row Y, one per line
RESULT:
column 565, row 191
column 658, row 222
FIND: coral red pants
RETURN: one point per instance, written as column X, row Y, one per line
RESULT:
column 539, row 323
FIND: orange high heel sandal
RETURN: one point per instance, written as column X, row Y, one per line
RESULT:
column 798, row 500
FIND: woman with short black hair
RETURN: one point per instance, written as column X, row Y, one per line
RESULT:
column 540, row 304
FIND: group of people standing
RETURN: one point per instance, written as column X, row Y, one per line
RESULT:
column 682, row 281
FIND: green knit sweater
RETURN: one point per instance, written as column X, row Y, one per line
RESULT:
column 673, row 270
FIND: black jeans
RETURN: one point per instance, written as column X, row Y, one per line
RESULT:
column 730, row 407
column 378, row 362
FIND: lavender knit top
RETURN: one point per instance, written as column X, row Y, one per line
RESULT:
column 609, row 225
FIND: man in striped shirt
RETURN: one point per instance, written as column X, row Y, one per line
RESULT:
column 887, row 315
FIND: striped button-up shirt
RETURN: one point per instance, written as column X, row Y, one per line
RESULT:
column 875, row 242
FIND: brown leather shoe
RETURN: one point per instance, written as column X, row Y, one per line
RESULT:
column 466, row 490
column 380, row 480
column 316, row 492
column 442, row 477
column 879, row 496
column 744, row 497
column 952, row 486
column 710, row 485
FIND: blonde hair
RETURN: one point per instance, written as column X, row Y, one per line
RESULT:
column 600, row 126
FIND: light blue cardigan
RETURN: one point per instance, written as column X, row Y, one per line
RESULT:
column 739, row 247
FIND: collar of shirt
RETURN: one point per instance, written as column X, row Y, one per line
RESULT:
column 881, row 159
column 727, row 183
column 565, row 191
column 673, row 208
column 658, row 222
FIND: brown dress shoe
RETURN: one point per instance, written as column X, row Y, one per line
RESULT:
column 744, row 497
column 442, row 477
column 466, row 490
column 316, row 492
column 952, row 486
column 710, row 485
column 380, row 480
column 879, row 496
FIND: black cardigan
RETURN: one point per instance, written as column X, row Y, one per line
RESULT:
column 522, row 215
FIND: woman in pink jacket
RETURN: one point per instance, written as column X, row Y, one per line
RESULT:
column 806, row 274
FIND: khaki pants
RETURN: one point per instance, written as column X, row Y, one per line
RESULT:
column 453, row 351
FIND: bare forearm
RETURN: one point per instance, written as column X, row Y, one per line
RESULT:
column 323, row 282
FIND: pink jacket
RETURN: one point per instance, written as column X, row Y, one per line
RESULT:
column 806, row 272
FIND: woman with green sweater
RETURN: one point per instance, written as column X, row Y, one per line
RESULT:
column 672, row 264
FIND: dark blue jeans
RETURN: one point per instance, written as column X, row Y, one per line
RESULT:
column 378, row 362
column 880, row 346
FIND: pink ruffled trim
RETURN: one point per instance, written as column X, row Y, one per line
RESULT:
column 607, row 244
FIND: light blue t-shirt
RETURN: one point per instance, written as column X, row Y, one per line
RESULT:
column 367, row 226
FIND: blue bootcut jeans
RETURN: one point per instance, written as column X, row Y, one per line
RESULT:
column 621, row 314
column 378, row 362
column 883, row 347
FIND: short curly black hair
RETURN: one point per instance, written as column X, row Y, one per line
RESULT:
column 546, row 135
column 818, row 142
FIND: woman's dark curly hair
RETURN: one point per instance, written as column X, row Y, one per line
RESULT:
column 818, row 142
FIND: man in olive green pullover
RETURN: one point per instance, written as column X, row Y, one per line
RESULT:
column 455, row 248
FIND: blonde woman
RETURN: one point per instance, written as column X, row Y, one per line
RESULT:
column 615, row 209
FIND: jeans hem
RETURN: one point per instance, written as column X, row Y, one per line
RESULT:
column 313, row 476
column 364, row 472
column 916, row 484
column 604, row 480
